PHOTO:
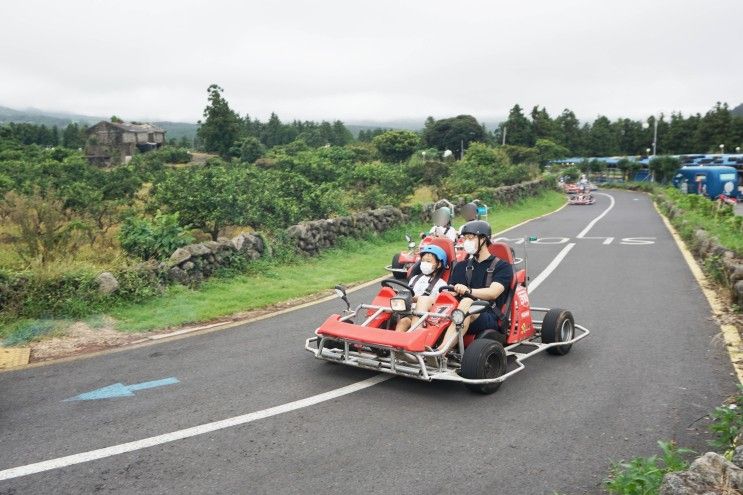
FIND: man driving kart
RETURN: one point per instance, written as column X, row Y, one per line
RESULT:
column 482, row 276
column 425, row 285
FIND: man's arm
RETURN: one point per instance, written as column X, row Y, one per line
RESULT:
column 489, row 293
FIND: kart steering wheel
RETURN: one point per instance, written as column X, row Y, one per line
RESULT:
column 389, row 282
column 450, row 288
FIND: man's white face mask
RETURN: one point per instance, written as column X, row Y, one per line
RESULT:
column 427, row 267
column 470, row 245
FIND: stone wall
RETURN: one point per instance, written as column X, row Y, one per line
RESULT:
column 311, row 237
column 706, row 247
column 709, row 474
column 196, row 262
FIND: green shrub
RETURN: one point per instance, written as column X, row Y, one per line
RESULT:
column 153, row 239
column 170, row 154
column 643, row 475
column 727, row 422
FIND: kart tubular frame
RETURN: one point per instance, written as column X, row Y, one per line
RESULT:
column 429, row 365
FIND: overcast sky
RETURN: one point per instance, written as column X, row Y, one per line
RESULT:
column 373, row 60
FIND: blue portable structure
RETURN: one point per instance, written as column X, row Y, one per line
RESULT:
column 711, row 181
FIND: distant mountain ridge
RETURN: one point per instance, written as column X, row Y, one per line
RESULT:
column 62, row 119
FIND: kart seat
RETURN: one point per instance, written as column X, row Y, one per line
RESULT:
column 502, row 251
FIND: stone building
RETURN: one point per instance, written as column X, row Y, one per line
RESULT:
column 114, row 143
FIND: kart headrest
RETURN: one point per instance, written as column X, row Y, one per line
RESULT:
column 502, row 251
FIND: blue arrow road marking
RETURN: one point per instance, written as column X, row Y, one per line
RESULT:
column 121, row 390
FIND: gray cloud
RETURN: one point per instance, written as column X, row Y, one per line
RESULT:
column 371, row 60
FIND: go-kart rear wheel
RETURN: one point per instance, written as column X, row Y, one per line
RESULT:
column 558, row 326
column 484, row 358
column 397, row 265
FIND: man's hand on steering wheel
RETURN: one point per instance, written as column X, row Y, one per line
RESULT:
column 462, row 290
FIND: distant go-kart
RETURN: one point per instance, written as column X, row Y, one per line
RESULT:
column 581, row 199
column 481, row 362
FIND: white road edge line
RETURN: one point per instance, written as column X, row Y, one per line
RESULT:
column 593, row 222
column 92, row 455
column 144, row 443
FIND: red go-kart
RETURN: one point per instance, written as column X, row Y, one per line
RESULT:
column 365, row 337
column 581, row 199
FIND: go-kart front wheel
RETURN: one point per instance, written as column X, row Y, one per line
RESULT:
column 558, row 326
column 484, row 358
column 397, row 265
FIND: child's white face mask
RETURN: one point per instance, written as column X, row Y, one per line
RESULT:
column 427, row 267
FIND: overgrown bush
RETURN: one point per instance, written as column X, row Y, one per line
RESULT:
column 46, row 230
column 644, row 475
column 171, row 154
column 727, row 423
column 153, row 239
column 483, row 166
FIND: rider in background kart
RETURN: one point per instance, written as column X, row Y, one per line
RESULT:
column 469, row 212
column 425, row 285
column 442, row 224
column 482, row 276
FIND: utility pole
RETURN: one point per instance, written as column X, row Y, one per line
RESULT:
column 655, row 135
column 461, row 149
column 505, row 129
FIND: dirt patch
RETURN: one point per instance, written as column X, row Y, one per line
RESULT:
column 81, row 338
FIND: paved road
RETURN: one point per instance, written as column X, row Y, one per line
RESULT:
column 651, row 368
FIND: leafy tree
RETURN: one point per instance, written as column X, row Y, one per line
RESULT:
column 207, row 198
column 221, row 126
column 569, row 132
column 452, row 133
column 73, row 136
column 601, row 139
column 518, row 128
column 547, row 150
column 153, row 239
column 396, row 146
column 483, row 166
column 663, row 168
column 251, row 149
column 543, row 127
column 520, row 154
column 45, row 229
column 370, row 185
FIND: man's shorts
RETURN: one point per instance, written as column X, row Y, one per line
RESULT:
column 487, row 319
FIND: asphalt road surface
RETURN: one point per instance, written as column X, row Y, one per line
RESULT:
column 253, row 412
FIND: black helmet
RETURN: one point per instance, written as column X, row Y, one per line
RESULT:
column 469, row 212
column 477, row 227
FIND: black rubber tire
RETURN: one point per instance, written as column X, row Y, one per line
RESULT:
column 552, row 330
column 484, row 358
column 396, row 264
column 492, row 334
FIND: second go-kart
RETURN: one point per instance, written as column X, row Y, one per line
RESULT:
column 581, row 199
column 365, row 337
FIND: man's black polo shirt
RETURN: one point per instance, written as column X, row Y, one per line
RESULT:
column 503, row 274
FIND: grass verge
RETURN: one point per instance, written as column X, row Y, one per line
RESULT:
column 267, row 282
